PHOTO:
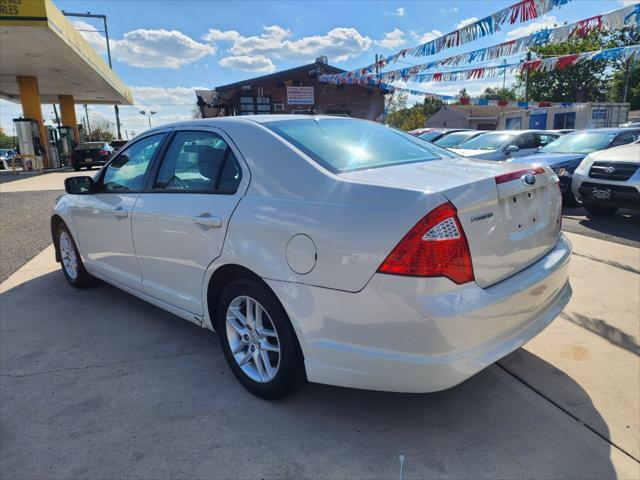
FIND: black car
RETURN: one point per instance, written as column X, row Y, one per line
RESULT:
column 91, row 154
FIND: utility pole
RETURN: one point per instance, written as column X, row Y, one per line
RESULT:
column 106, row 34
column 55, row 112
column 626, row 80
column 86, row 113
column 526, row 85
column 504, row 75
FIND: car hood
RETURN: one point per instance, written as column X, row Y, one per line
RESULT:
column 550, row 159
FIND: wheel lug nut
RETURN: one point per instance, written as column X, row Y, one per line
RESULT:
column 253, row 348
column 245, row 337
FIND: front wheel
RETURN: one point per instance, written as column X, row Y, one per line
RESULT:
column 76, row 168
column 70, row 260
column 258, row 340
column 600, row 210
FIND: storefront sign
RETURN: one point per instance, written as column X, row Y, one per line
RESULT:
column 300, row 96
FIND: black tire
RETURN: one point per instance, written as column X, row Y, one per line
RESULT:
column 76, row 168
column 83, row 279
column 290, row 374
column 89, row 168
column 600, row 210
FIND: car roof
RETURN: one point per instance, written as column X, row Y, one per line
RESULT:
column 607, row 130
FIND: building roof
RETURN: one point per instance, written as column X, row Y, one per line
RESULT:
column 39, row 41
column 484, row 111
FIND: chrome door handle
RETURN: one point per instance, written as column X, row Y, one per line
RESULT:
column 207, row 220
column 120, row 213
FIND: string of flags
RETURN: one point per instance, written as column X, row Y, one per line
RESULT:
column 522, row 11
column 615, row 20
column 544, row 65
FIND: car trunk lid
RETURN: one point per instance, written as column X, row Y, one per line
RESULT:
column 509, row 224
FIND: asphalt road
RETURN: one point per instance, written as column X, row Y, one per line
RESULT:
column 24, row 227
column 623, row 227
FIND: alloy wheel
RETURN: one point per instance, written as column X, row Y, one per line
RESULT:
column 253, row 339
column 68, row 254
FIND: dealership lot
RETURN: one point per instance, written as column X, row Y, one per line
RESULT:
column 98, row 383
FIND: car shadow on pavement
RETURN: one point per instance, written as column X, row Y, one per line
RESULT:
column 96, row 383
column 624, row 224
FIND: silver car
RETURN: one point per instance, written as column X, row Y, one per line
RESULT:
column 505, row 144
column 326, row 249
column 609, row 179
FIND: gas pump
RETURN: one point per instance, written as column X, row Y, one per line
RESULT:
column 53, row 147
column 29, row 145
column 66, row 144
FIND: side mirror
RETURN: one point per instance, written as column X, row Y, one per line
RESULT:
column 512, row 149
column 79, row 185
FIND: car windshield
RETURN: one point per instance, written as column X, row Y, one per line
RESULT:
column 428, row 136
column 487, row 141
column 455, row 139
column 343, row 145
column 582, row 142
column 89, row 145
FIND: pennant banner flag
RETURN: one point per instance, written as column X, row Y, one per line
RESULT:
column 623, row 17
column 543, row 65
column 520, row 12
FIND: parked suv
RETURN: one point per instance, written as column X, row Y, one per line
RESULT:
column 609, row 179
column 91, row 154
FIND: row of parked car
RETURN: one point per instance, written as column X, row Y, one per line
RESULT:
column 591, row 175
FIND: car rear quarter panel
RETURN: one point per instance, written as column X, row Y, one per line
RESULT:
column 353, row 225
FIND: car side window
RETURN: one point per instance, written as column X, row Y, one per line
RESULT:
column 525, row 141
column 126, row 172
column 625, row 138
column 198, row 161
column 544, row 139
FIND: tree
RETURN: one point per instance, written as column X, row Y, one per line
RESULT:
column 101, row 130
column 462, row 94
column 491, row 93
column 584, row 82
column 415, row 116
column 7, row 141
column 616, row 86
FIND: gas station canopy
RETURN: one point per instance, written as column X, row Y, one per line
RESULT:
column 37, row 40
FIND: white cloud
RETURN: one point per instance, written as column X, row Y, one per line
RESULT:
column 449, row 10
column 466, row 21
column 159, row 96
column 338, row 44
column 392, row 39
column 256, row 63
column 548, row 21
column 627, row 3
column 426, row 37
column 398, row 12
column 149, row 48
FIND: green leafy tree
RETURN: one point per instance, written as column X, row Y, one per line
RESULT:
column 616, row 85
column 7, row 141
column 491, row 93
column 415, row 116
column 584, row 82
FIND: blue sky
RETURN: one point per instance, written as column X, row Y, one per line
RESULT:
column 165, row 49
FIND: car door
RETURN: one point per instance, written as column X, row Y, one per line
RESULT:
column 103, row 220
column 179, row 222
column 526, row 144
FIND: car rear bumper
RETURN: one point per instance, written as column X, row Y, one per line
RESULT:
column 96, row 163
column 410, row 334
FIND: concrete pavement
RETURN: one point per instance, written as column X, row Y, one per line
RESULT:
column 47, row 181
column 95, row 383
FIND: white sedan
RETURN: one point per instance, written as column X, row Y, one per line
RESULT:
column 324, row 249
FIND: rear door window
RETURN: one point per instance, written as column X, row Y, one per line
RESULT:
column 525, row 141
column 342, row 145
column 198, row 161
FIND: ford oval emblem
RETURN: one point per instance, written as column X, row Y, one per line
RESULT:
column 529, row 179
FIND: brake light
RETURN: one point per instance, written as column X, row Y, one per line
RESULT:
column 435, row 247
column 103, row 152
column 507, row 177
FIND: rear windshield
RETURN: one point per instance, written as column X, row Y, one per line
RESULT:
column 579, row 142
column 89, row 145
column 343, row 145
column 455, row 139
column 488, row 141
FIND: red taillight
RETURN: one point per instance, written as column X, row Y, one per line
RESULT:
column 435, row 247
column 507, row 177
column 103, row 152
